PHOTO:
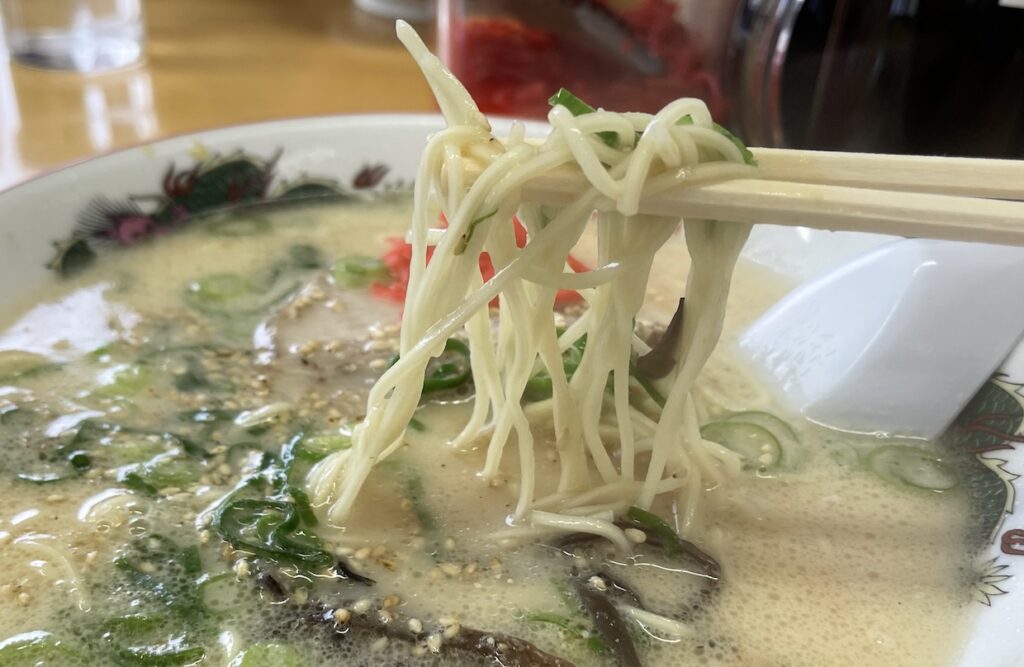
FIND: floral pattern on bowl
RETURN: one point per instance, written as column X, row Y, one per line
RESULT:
column 211, row 184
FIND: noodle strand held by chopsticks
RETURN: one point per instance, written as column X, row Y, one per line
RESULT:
column 447, row 296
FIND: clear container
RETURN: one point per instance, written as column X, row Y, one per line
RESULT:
column 626, row 55
column 80, row 35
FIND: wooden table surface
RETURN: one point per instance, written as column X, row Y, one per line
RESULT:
column 209, row 63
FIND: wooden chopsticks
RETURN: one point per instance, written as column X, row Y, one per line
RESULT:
column 961, row 199
column 970, row 177
column 840, row 208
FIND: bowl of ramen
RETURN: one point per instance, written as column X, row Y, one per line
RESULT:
column 252, row 415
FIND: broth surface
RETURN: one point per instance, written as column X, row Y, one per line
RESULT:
column 136, row 395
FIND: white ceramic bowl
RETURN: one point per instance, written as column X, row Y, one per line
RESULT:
column 73, row 215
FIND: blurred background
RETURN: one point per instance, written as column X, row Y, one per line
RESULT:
column 79, row 77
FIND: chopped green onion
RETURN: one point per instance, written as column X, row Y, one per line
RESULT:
column 574, row 629
column 161, row 473
column 358, row 271
column 748, row 157
column 673, row 545
column 912, row 466
column 575, row 105
column 417, row 496
column 540, row 387
column 464, row 241
column 125, row 633
column 221, row 287
column 267, row 655
column 652, row 523
column 758, row 447
column 80, row 460
column 648, row 386
column 313, row 448
column 126, row 381
column 305, row 256
column 173, row 583
column 37, row 647
column 302, row 505
column 447, row 371
column 578, row 107
column 231, row 295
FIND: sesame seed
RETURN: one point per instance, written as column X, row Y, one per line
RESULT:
column 379, row 644
column 342, row 615
column 241, row 568
column 24, row 599
column 390, row 602
column 361, row 606
column 597, row 583
column 385, row 616
column 452, row 630
column 635, row 535
column 434, row 643
column 415, row 626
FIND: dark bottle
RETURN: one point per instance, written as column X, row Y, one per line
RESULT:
column 906, row 76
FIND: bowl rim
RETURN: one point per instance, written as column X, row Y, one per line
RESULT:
column 398, row 117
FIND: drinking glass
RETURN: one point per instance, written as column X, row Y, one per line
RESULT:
column 79, row 35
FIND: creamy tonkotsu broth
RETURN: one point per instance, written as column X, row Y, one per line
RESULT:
column 158, row 412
